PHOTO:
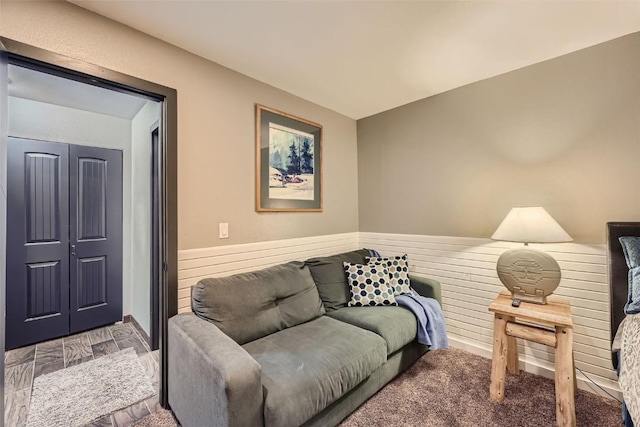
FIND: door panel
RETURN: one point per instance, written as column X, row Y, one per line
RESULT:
column 95, row 236
column 92, row 188
column 92, row 282
column 37, row 241
column 43, row 289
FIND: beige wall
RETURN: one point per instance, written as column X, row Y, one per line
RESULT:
column 215, row 126
column 563, row 134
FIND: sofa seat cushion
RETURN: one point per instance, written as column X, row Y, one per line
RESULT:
column 309, row 366
column 397, row 325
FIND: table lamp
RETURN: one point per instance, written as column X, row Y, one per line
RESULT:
column 530, row 274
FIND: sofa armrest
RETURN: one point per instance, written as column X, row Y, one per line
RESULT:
column 426, row 287
column 212, row 380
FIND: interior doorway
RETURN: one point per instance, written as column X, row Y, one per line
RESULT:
column 45, row 107
column 162, row 231
column 64, row 240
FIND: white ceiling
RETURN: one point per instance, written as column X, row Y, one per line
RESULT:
column 50, row 89
column 363, row 57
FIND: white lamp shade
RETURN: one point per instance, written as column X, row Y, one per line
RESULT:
column 530, row 225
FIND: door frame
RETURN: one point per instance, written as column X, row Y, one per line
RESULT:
column 3, row 211
column 42, row 60
column 154, row 301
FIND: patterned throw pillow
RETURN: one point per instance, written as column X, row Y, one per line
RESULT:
column 398, row 272
column 369, row 285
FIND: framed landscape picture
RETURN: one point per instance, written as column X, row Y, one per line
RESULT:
column 288, row 162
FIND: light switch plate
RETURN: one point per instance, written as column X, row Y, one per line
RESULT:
column 223, row 230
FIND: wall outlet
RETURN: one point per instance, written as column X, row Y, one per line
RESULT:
column 223, row 230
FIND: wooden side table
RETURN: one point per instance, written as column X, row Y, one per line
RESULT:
column 556, row 331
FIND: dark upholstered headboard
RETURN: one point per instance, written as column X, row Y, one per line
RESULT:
column 618, row 273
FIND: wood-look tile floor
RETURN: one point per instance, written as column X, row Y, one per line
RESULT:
column 23, row 365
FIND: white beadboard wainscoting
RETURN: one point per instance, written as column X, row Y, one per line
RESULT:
column 466, row 269
column 219, row 261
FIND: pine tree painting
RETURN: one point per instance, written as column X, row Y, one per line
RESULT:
column 291, row 161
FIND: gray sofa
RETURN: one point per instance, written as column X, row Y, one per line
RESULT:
column 280, row 347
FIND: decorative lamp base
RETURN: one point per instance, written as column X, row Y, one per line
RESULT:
column 531, row 275
column 529, row 298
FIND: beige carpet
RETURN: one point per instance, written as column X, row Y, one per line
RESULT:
column 450, row 388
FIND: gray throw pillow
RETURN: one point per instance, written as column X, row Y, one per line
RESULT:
column 328, row 274
column 631, row 249
column 633, row 300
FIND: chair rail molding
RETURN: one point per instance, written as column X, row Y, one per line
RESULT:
column 219, row 261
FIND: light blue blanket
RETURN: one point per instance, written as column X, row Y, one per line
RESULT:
column 432, row 330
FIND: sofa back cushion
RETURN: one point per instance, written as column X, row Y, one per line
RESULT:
column 252, row 305
column 330, row 278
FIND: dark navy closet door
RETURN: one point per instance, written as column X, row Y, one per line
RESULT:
column 95, row 195
column 37, row 242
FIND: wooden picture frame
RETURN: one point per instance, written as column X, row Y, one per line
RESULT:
column 288, row 162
